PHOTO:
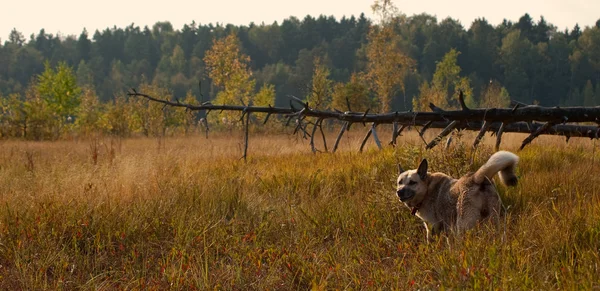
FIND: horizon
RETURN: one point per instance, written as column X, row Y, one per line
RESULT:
column 554, row 12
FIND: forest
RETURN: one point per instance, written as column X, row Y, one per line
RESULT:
column 51, row 85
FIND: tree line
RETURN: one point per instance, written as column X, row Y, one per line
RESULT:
column 54, row 85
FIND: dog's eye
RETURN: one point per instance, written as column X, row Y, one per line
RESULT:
column 412, row 183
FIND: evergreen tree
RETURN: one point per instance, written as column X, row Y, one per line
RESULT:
column 84, row 46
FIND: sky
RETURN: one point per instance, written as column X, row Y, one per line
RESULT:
column 69, row 17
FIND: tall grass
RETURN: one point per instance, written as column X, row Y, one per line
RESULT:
column 187, row 213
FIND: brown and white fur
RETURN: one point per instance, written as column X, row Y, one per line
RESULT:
column 445, row 203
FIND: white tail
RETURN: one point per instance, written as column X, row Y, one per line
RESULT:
column 503, row 162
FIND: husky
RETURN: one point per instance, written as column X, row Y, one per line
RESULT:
column 448, row 204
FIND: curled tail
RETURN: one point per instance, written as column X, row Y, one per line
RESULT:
column 503, row 162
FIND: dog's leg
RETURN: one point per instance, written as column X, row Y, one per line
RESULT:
column 429, row 232
column 467, row 220
column 495, row 210
column 434, row 230
column 437, row 228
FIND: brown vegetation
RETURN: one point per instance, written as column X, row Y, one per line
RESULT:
column 187, row 213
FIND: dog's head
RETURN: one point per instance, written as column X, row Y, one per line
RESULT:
column 412, row 185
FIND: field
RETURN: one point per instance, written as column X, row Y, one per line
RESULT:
column 187, row 213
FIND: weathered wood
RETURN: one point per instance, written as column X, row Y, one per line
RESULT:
column 394, row 133
column 312, row 136
column 559, row 129
column 204, row 122
column 267, row 118
column 375, row 137
column 461, row 100
column 481, row 133
column 506, row 115
column 536, row 133
column 339, row 137
column 444, row 133
column 520, row 118
column 246, row 136
column 362, row 145
column 402, row 128
column 426, row 126
column 448, row 142
column 323, row 135
column 499, row 135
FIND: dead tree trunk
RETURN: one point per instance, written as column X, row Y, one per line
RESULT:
column 532, row 119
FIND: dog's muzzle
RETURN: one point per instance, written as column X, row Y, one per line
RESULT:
column 405, row 194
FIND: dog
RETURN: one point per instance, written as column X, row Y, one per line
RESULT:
column 445, row 203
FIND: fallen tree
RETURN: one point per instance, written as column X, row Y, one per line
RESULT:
column 532, row 119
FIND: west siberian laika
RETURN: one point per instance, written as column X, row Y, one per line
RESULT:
column 445, row 203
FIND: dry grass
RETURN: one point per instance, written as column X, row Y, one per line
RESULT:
column 187, row 213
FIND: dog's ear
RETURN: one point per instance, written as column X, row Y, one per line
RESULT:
column 400, row 170
column 422, row 171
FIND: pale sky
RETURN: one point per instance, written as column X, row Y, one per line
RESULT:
column 69, row 17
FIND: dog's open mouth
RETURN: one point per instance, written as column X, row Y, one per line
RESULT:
column 404, row 199
column 405, row 196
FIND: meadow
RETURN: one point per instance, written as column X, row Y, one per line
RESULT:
column 188, row 213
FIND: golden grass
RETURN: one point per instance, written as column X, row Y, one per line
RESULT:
column 187, row 213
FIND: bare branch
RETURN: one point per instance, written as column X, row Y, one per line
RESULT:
column 422, row 131
column 323, row 135
column 435, row 108
column 348, row 104
column 204, row 122
column 461, row 100
column 246, row 136
column 444, row 133
column 481, row 133
column 394, row 133
column 535, row 134
column 364, row 116
column 339, row 137
column 448, row 142
column 312, row 136
column 402, row 128
column 425, row 127
column 267, row 118
column 499, row 136
column 375, row 137
column 362, row 145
